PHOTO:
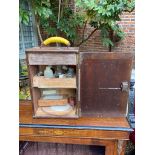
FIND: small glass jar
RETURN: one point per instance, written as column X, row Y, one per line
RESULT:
column 70, row 73
column 48, row 73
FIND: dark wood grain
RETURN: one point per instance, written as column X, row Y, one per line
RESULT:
column 99, row 72
column 35, row 92
column 105, row 55
column 25, row 112
column 68, row 140
column 73, row 133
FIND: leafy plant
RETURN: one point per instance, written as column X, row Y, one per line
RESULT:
column 24, row 16
column 24, row 93
column 41, row 10
column 57, row 18
column 24, row 71
column 103, row 15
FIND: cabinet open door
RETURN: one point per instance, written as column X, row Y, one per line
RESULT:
column 104, row 83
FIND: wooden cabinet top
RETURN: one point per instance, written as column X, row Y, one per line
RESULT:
column 53, row 49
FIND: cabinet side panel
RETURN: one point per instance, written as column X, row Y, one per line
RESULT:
column 35, row 93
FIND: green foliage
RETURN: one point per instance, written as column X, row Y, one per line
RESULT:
column 24, row 93
column 41, row 8
column 69, row 23
column 24, row 71
column 46, row 15
column 23, row 13
column 104, row 15
column 24, row 16
column 58, row 18
column 105, row 36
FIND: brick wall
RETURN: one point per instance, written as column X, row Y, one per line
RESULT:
column 126, row 45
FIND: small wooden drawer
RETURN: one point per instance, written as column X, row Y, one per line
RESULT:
column 52, row 59
column 42, row 82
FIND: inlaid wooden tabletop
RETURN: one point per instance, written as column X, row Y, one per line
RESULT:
column 26, row 119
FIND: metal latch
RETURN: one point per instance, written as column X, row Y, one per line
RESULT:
column 123, row 87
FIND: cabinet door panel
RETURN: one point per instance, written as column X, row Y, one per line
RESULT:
column 100, row 83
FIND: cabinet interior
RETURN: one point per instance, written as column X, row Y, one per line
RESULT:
column 55, row 96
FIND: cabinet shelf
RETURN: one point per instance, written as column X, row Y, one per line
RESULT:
column 42, row 82
column 41, row 113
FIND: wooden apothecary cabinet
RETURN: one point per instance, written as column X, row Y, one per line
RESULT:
column 99, row 88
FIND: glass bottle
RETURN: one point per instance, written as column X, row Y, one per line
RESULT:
column 48, row 73
column 70, row 72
